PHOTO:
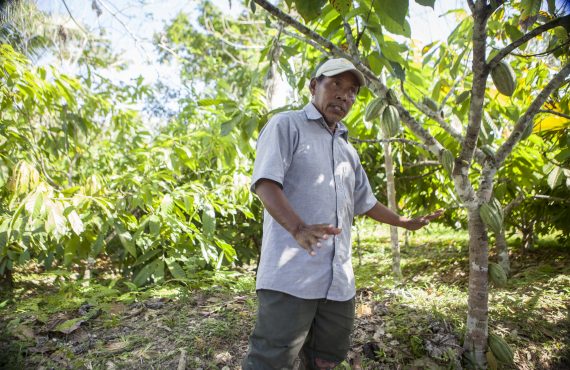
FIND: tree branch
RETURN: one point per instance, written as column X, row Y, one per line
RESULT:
column 528, row 116
column 308, row 41
column 432, row 144
column 350, row 39
column 392, row 140
column 469, row 145
column 514, row 203
column 433, row 115
column 560, row 114
column 562, row 21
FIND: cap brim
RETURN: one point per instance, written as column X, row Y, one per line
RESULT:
column 354, row 71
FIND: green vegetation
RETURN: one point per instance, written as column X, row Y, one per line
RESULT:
column 418, row 321
column 129, row 236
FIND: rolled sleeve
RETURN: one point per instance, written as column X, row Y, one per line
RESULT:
column 275, row 148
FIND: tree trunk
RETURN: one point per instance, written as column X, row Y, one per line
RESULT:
column 391, row 193
column 503, row 252
column 478, row 301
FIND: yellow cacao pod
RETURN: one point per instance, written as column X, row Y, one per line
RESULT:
column 491, row 360
column 374, row 108
column 504, row 78
column 500, row 349
column 497, row 274
column 390, row 121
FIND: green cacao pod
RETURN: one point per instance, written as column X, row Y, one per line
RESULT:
column 390, row 121
column 341, row 6
column 447, row 160
column 374, row 108
column 497, row 274
column 504, row 78
column 391, row 96
column 500, row 349
column 430, row 103
column 491, row 216
column 462, row 97
column 527, row 131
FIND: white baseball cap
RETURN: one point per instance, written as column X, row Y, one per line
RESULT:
column 333, row 67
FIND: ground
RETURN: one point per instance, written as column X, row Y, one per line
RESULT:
column 55, row 321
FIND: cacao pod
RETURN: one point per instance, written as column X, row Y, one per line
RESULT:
column 504, row 78
column 390, row 121
column 374, row 108
column 447, row 160
column 341, row 6
column 500, row 349
column 497, row 274
column 492, row 217
column 430, row 103
column 491, row 360
column 391, row 96
column 462, row 97
column 527, row 131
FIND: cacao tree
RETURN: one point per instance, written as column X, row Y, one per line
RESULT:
column 472, row 67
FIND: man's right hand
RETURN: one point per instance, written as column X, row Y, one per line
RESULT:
column 309, row 236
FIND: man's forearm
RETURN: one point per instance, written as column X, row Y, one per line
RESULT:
column 278, row 205
column 383, row 214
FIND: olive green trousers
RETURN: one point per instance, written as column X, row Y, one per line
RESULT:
column 287, row 327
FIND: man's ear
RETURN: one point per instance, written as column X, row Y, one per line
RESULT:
column 313, row 85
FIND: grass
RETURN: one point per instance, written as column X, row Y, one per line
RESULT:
column 414, row 322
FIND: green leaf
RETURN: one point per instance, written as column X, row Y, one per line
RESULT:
column 228, row 126
column 309, row 9
column 429, row 3
column 208, row 219
column 75, row 222
column 166, row 205
column 143, row 275
column 175, row 269
column 392, row 14
column 554, row 177
column 228, row 250
column 154, row 225
column 126, row 240
column 69, row 326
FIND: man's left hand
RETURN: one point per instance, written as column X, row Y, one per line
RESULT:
column 419, row 222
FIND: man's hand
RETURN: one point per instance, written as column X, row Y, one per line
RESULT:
column 419, row 222
column 309, row 236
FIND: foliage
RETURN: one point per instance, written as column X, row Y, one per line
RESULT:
column 82, row 177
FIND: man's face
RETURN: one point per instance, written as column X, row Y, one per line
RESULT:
column 334, row 96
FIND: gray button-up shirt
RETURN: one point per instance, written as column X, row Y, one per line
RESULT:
column 321, row 176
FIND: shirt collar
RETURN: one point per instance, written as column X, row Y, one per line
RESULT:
column 314, row 115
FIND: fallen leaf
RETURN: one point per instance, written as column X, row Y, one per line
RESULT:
column 69, row 326
column 115, row 347
column 23, row 332
column 363, row 310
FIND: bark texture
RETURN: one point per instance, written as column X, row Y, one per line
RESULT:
column 503, row 252
column 478, row 308
column 391, row 193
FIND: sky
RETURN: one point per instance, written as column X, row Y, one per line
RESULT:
column 131, row 24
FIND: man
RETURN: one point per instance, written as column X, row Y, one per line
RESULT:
column 310, row 180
